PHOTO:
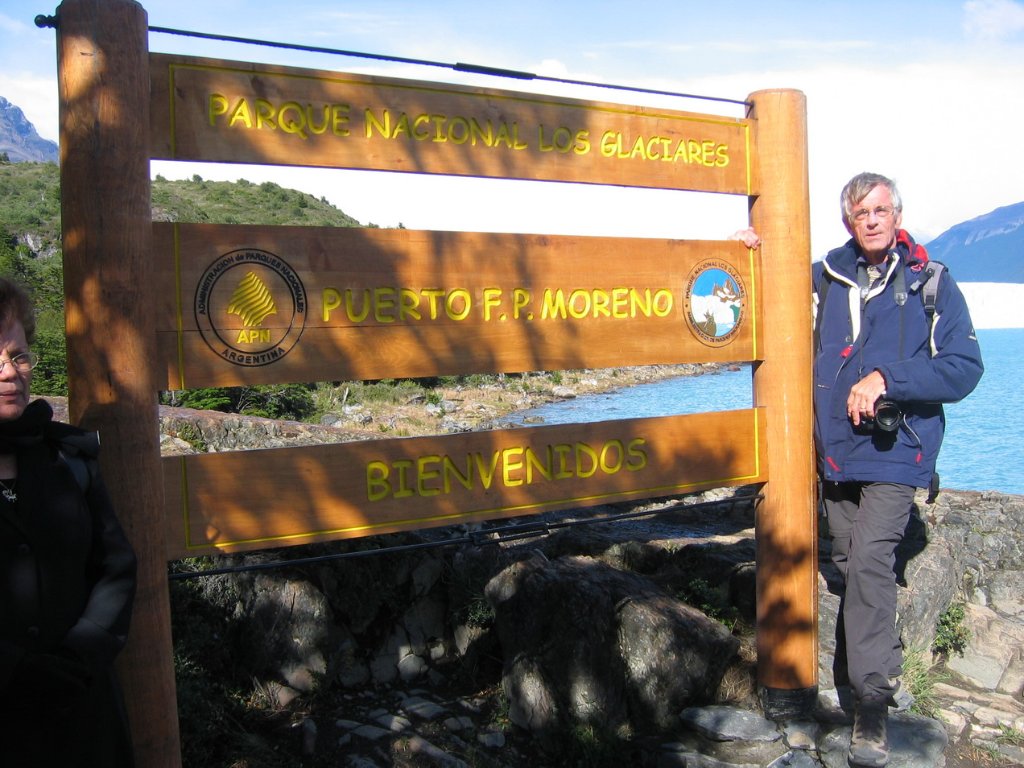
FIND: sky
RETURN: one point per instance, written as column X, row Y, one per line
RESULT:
column 928, row 92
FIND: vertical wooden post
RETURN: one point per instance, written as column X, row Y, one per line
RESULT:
column 103, row 76
column 786, row 528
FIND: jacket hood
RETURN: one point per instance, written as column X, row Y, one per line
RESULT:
column 843, row 260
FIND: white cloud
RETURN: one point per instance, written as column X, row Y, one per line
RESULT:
column 993, row 19
column 35, row 96
column 7, row 24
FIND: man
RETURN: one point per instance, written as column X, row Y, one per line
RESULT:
column 877, row 345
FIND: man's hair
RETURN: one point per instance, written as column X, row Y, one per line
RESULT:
column 16, row 306
column 860, row 186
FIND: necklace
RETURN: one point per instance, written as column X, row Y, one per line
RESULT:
column 9, row 491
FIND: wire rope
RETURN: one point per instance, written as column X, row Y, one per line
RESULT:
column 479, row 69
column 483, row 537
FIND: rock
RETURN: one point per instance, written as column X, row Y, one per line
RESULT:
column 287, row 624
column 914, row 742
column 680, row 756
column 796, row 758
column 735, row 735
column 384, row 667
column 422, row 708
column 720, row 723
column 491, row 739
column 994, row 656
column 417, row 745
column 584, row 643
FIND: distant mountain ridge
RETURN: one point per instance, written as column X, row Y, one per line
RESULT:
column 19, row 140
column 985, row 249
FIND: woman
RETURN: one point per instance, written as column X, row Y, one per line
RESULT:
column 67, row 576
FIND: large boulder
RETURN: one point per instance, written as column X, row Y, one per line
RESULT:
column 586, row 644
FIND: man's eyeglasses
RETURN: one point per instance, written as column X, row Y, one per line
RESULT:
column 881, row 212
column 22, row 363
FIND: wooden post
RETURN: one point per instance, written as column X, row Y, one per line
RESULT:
column 103, row 76
column 786, row 529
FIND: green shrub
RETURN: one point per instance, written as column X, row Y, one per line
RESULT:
column 951, row 636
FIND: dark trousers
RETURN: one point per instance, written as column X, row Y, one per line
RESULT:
column 866, row 522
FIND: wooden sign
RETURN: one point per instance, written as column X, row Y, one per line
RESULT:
column 243, row 500
column 257, row 305
column 224, row 111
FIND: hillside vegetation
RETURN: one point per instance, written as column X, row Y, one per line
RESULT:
column 30, row 251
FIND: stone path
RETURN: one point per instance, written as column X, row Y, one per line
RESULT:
column 385, row 729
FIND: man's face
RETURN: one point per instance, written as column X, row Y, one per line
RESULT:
column 873, row 233
column 14, row 385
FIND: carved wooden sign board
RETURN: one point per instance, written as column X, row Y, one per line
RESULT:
column 257, row 305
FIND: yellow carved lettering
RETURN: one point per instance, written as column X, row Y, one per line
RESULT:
column 377, row 485
column 637, row 455
column 485, row 470
column 402, row 467
column 382, row 125
column 452, row 302
column 511, row 467
column 553, row 304
column 562, row 454
column 265, row 114
column 253, row 335
column 408, row 305
column 535, row 464
column 240, row 114
column 425, row 475
column 331, row 300
column 383, row 304
column 607, row 465
column 520, row 301
column 217, row 106
column 450, row 470
column 492, row 300
column 355, row 316
column 584, row 453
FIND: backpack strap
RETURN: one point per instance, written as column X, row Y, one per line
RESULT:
column 928, row 284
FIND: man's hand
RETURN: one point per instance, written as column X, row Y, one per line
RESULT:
column 864, row 394
column 747, row 236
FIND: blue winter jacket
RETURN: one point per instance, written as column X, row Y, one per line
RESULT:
column 939, row 363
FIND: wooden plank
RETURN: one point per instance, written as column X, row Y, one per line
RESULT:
column 238, row 112
column 352, row 304
column 225, row 502
column 786, row 530
column 106, row 236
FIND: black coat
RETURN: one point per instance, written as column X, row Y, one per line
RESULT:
column 67, row 582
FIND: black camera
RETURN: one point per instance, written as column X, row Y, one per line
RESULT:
column 887, row 415
column 885, row 421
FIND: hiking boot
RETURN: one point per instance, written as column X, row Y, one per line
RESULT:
column 869, row 743
column 901, row 700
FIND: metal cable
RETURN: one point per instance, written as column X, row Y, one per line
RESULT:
column 479, row 69
column 498, row 535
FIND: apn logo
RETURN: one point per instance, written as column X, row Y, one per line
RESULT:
column 250, row 307
column 715, row 302
column 253, row 304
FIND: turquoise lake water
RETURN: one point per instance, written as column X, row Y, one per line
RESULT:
column 984, row 445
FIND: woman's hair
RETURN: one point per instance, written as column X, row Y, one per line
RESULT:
column 15, row 305
column 860, row 186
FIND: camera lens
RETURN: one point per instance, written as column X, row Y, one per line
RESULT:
column 887, row 416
